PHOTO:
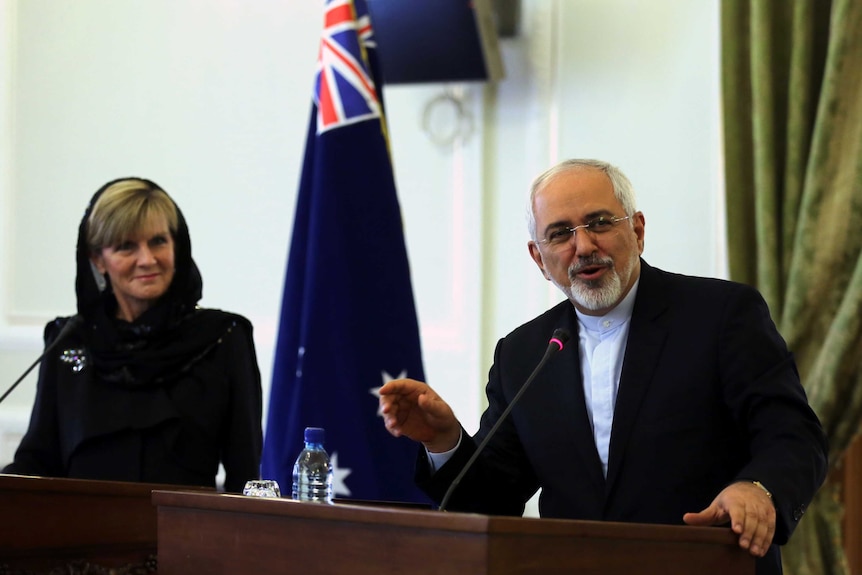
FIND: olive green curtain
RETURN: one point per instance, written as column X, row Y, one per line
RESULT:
column 792, row 94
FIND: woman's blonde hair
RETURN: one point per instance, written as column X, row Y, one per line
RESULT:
column 124, row 208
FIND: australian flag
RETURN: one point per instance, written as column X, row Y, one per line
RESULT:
column 348, row 320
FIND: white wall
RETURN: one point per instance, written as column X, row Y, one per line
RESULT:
column 210, row 98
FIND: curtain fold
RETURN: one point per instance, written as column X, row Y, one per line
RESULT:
column 792, row 94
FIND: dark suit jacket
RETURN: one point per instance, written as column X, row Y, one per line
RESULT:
column 708, row 395
column 86, row 427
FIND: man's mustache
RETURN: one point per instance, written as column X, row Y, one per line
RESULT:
column 588, row 262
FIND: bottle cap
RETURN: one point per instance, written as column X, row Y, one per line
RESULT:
column 314, row 434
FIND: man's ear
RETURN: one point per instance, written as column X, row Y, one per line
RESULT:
column 639, row 225
column 537, row 257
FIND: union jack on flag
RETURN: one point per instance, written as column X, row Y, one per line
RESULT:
column 343, row 86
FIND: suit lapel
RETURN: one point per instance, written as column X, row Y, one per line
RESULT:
column 643, row 348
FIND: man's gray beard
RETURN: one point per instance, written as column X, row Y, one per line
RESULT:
column 596, row 294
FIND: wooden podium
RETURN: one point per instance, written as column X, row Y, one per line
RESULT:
column 231, row 534
column 50, row 525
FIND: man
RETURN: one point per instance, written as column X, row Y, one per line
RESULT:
column 676, row 402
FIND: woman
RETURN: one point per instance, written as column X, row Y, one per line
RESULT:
column 146, row 386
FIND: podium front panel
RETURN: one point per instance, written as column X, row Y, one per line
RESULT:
column 54, row 525
column 220, row 534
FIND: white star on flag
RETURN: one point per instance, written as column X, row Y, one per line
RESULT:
column 339, row 487
column 375, row 391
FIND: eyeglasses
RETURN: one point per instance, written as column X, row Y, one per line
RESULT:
column 601, row 225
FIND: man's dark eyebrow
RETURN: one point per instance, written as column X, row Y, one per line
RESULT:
column 557, row 225
column 599, row 214
column 588, row 218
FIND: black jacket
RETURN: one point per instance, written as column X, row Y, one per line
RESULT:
column 178, row 432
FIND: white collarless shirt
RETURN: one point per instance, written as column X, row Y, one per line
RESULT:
column 602, row 347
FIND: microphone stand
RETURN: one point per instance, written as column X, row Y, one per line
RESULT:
column 558, row 340
column 71, row 324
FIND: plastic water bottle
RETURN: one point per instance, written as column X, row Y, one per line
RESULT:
column 312, row 472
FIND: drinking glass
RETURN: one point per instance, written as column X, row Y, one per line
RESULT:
column 262, row 488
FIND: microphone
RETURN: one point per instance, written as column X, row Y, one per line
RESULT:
column 555, row 344
column 71, row 324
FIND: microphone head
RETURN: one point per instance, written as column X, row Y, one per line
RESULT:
column 560, row 337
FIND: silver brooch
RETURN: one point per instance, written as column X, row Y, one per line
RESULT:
column 74, row 357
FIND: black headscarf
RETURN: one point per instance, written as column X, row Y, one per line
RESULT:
column 167, row 338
